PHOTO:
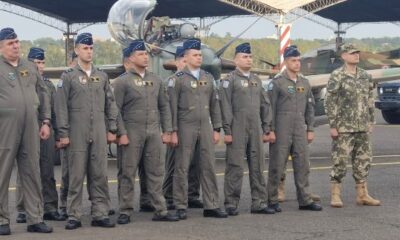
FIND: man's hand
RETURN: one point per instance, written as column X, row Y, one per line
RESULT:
column 58, row 144
column 228, row 139
column 216, row 137
column 265, row 138
column 310, row 137
column 64, row 142
column 123, row 140
column 166, row 138
column 272, row 137
column 111, row 137
column 174, row 139
column 44, row 132
column 334, row 133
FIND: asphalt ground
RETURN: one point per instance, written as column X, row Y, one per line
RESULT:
column 350, row 222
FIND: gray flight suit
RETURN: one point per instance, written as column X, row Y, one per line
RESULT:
column 143, row 104
column 47, row 158
column 292, row 105
column 194, row 176
column 246, row 115
column 24, row 99
column 83, row 103
column 194, row 102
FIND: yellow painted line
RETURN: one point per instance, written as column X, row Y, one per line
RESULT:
column 114, row 181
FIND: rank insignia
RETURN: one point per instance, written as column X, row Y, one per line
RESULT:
column 253, row 84
column 95, row 79
column 148, row 83
column 300, row 89
column 202, row 83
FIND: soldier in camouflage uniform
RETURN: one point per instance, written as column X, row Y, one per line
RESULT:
column 349, row 106
column 292, row 126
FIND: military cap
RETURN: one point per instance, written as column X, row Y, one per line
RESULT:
column 349, row 48
column 291, row 51
column 84, row 38
column 193, row 43
column 36, row 53
column 7, row 33
column 243, row 48
column 135, row 45
column 179, row 52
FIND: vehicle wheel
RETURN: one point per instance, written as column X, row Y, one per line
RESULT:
column 391, row 117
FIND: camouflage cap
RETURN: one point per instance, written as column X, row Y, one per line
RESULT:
column 349, row 48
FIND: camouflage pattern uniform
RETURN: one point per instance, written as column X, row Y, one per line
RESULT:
column 349, row 106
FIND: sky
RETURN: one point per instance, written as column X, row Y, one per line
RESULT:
column 303, row 28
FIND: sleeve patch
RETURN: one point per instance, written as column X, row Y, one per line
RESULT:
column 171, row 82
column 225, row 84
column 60, row 83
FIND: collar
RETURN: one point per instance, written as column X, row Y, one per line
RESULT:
column 7, row 62
column 187, row 71
column 133, row 71
column 92, row 68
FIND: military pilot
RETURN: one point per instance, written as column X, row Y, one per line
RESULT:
column 246, row 117
column 23, row 97
column 194, row 178
column 349, row 106
column 83, row 101
column 142, row 100
column 194, row 101
column 292, row 127
column 47, row 153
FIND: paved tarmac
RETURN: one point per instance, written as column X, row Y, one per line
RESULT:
column 351, row 222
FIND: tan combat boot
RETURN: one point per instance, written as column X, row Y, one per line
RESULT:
column 281, row 191
column 363, row 198
column 336, row 202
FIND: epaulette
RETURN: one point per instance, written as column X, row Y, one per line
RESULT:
column 178, row 74
column 123, row 74
column 46, row 79
column 69, row 70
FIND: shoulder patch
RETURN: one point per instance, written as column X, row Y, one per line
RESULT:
column 265, row 84
column 270, row 86
column 225, row 84
column 171, row 82
column 60, row 83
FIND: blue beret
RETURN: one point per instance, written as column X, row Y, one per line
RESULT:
column 135, row 45
column 179, row 52
column 243, row 48
column 291, row 51
column 193, row 43
column 7, row 33
column 36, row 53
column 84, row 38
